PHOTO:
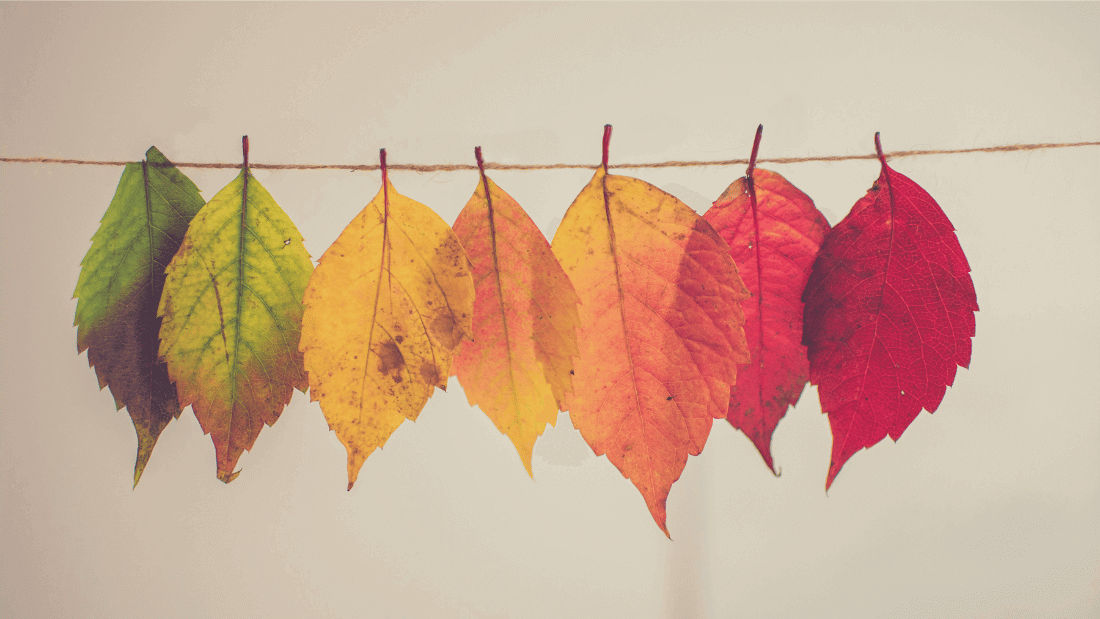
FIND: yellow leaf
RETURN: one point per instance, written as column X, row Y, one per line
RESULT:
column 518, row 366
column 389, row 302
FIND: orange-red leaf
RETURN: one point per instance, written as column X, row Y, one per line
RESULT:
column 517, row 367
column 774, row 232
column 889, row 314
column 661, row 328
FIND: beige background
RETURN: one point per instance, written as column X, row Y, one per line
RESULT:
column 989, row 508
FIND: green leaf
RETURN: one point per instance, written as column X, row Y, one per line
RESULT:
column 120, row 286
column 232, row 317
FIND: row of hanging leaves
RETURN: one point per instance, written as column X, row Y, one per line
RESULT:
column 641, row 319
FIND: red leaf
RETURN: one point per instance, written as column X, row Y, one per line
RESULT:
column 774, row 232
column 889, row 314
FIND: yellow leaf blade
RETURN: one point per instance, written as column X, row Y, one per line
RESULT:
column 389, row 302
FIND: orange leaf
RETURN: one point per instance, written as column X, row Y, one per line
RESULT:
column 661, row 328
column 517, row 368
column 388, row 303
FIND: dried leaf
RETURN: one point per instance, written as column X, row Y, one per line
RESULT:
column 389, row 302
column 517, row 367
column 661, row 328
column 120, row 286
column 889, row 314
column 232, row 316
column 774, row 232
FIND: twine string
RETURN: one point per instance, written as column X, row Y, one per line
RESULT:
column 564, row 166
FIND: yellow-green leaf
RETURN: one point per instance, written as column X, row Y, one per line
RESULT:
column 389, row 302
column 232, row 316
column 120, row 284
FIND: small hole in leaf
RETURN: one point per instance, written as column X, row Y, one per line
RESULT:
column 286, row 242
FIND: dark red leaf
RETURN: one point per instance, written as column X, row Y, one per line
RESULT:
column 889, row 314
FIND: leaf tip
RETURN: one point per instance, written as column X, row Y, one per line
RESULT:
column 146, row 440
column 659, row 513
column 139, row 468
column 833, row 471
column 355, row 462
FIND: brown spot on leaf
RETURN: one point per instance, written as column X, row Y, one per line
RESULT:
column 430, row 373
column 445, row 329
column 390, row 359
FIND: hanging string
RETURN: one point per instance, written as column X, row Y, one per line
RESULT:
column 565, row 166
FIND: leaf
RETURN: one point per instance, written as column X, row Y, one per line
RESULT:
column 232, row 316
column 517, row 366
column 774, row 232
column 661, row 328
column 889, row 314
column 389, row 302
column 119, row 289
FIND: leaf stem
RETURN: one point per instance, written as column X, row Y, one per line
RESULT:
column 385, row 214
column 606, row 144
column 755, row 149
column 750, row 186
column 382, row 163
column 878, row 149
column 229, row 475
column 491, row 216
